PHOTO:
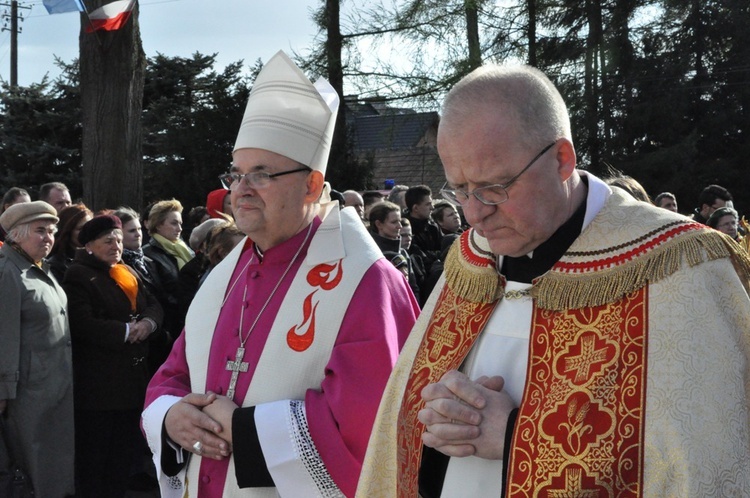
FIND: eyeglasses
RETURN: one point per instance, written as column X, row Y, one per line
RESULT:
column 254, row 179
column 491, row 195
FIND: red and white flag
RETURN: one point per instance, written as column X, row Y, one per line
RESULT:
column 111, row 16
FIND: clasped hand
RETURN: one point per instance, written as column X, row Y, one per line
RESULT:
column 206, row 418
column 139, row 331
column 465, row 417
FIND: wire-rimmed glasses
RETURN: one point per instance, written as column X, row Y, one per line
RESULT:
column 254, row 179
column 491, row 195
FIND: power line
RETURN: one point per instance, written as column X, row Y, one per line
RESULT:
column 14, row 29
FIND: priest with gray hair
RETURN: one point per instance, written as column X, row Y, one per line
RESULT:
column 273, row 386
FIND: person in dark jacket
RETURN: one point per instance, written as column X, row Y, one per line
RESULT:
column 385, row 228
column 436, row 270
column 427, row 235
column 112, row 314
column 133, row 256
column 170, row 254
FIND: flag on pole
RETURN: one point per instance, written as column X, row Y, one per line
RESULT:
column 60, row 6
column 111, row 16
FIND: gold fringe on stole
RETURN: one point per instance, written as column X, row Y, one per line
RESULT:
column 557, row 290
column 477, row 284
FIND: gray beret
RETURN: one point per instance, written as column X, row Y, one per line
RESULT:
column 26, row 212
column 199, row 233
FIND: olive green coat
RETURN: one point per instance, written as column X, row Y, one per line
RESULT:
column 36, row 373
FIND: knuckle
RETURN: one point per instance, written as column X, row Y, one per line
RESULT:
column 427, row 391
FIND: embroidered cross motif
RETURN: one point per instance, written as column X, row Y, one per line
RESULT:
column 236, row 367
column 441, row 338
column 584, row 361
column 573, row 487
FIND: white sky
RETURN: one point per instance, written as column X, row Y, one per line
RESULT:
column 234, row 29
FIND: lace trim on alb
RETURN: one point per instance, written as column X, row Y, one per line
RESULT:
column 308, row 454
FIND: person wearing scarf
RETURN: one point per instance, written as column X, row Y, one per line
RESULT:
column 112, row 314
column 170, row 254
column 132, row 251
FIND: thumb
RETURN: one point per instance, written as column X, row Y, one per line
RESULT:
column 495, row 383
column 200, row 400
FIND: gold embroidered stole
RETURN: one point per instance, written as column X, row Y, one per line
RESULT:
column 454, row 327
column 463, row 309
column 580, row 427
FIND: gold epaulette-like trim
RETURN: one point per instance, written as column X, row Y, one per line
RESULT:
column 575, row 282
column 581, row 280
column 470, row 271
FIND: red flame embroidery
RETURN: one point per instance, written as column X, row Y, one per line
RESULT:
column 322, row 277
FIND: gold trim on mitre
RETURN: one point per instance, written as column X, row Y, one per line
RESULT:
column 289, row 115
column 470, row 269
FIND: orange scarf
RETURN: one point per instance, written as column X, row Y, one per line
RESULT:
column 126, row 281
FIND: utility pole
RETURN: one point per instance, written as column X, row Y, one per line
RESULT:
column 14, row 30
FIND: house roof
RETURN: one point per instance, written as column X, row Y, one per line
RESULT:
column 392, row 131
column 400, row 142
column 410, row 167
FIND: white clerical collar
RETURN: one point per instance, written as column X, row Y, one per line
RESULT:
column 597, row 196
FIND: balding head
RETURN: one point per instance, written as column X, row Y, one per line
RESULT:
column 352, row 198
column 523, row 94
column 505, row 130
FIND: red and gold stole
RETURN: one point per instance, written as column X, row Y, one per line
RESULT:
column 579, row 430
column 454, row 326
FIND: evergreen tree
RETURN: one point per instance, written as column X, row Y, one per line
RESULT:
column 40, row 134
column 190, row 118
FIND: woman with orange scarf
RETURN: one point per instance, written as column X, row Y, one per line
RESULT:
column 111, row 315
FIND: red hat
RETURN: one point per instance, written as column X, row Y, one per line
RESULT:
column 215, row 202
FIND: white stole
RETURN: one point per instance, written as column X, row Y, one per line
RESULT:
column 281, row 372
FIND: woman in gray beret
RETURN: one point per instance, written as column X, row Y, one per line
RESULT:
column 36, row 373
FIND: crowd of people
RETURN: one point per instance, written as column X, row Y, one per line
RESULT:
column 90, row 315
column 308, row 342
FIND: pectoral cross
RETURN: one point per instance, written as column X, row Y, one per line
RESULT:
column 236, row 367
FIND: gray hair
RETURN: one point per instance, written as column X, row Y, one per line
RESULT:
column 20, row 232
column 524, row 93
column 396, row 192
